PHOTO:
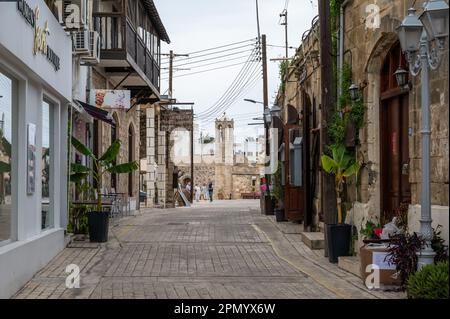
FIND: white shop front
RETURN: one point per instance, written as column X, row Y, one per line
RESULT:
column 35, row 92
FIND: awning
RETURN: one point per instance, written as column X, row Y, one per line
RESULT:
column 98, row 113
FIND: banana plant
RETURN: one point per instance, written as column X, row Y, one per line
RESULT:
column 102, row 165
column 341, row 165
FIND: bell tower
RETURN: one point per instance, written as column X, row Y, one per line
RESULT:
column 224, row 140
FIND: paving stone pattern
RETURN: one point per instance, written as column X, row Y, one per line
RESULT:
column 212, row 250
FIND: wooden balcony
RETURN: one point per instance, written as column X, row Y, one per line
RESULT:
column 124, row 55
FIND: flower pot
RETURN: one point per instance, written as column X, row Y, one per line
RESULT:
column 279, row 214
column 98, row 226
column 339, row 237
column 268, row 205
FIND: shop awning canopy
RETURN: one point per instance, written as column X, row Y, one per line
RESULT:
column 98, row 113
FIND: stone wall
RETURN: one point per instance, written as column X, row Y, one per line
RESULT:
column 125, row 121
column 369, row 48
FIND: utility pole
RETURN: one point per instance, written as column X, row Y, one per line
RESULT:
column 285, row 23
column 172, row 56
column 328, row 192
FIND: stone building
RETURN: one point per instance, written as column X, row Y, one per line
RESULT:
column 231, row 176
column 389, row 147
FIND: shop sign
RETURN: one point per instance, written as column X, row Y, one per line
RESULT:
column 115, row 99
column 40, row 33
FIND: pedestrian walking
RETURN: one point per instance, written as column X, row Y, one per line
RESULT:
column 210, row 191
column 205, row 192
column 197, row 193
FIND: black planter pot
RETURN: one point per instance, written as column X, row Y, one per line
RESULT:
column 98, row 226
column 279, row 214
column 269, row 205
column 339, row 238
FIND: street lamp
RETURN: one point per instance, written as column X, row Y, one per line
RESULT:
column 253, row 101
column 401, row 75
column 275, row 111
column 414, row 38
column 435, row 20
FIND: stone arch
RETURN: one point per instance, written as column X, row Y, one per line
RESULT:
column 371, row 155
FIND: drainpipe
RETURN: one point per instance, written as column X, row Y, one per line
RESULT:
column 340, row 61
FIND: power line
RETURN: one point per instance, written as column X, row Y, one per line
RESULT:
column 209, row 70
column 232, row 85
column 194, row 56
column 229, row 100
column 209, row 59
column 241, row 75
column 209, row 64
column 251, row 81
column 222, row 46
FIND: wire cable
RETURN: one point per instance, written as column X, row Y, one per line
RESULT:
column 241, row 73
column 251, row 81
column 235, row 84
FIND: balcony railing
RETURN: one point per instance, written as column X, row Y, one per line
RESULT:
column 119, row 38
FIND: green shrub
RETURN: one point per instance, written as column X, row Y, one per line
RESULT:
column 431, row 282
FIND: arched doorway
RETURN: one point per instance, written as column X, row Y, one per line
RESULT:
column 394, row 133
column 131, row 145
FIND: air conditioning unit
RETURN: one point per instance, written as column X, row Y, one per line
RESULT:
column 94, row 48
column 73, row 14
column 80, row 42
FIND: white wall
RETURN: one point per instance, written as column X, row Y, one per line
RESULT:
column 34, row 77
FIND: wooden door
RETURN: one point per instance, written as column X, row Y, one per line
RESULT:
column 294, row 195
column 394, row 119
column 396, row 188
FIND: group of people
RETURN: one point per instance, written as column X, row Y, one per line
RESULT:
column 204, row 192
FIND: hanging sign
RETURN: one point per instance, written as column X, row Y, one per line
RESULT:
column 115, row 99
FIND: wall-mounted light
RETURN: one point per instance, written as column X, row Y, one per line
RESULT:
column 354, row 92
column 401, row 75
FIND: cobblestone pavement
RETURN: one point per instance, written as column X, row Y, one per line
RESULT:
column 220, row 250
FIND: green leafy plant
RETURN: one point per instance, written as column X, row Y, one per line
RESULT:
column 78, row 221
column 101, row 166
column 341, row 165
column 369, row 231
column 277, row 192
column 431, row 282
column 438, row 245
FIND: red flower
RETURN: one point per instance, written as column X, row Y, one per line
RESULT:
column 378, row 231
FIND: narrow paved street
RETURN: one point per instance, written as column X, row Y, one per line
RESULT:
column 221, row 250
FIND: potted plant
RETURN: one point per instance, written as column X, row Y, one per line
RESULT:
column 277, row 194
column 341, row 165
column 98, row 220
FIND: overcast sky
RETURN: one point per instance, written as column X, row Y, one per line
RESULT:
column 201, row 24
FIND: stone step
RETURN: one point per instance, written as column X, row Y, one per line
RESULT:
column 350, row 264
column 314, row 241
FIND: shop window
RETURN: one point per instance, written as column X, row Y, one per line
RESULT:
column 6, row 130
column 46, row 166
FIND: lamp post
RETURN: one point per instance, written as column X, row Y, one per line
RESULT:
column 414, row 34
